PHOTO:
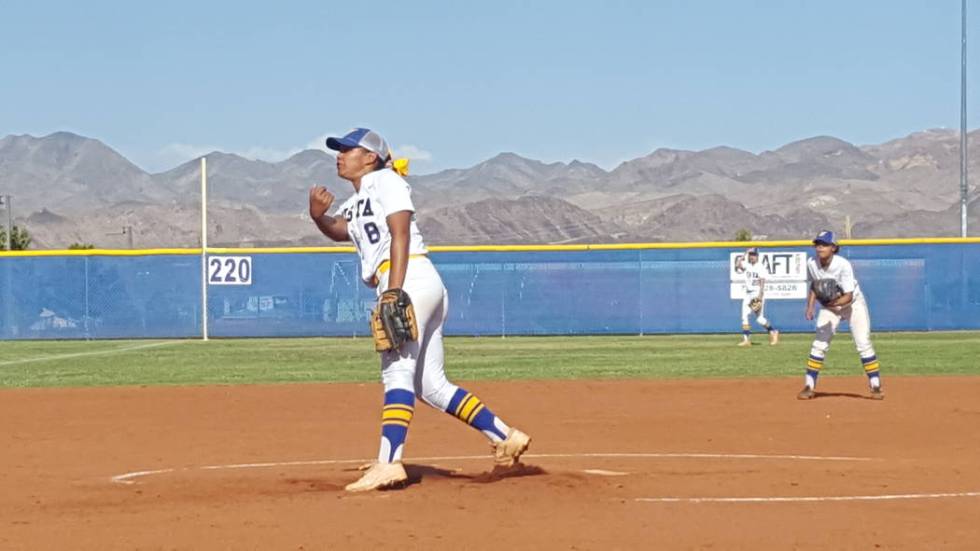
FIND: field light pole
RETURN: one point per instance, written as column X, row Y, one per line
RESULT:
column 204, row 248
column 964, row 189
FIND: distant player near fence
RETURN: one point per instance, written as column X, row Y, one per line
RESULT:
column 754, row 300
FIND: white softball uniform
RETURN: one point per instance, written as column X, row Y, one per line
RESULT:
column 417, row 366
column 754, row 276
column 382, row 192
column 855, row 313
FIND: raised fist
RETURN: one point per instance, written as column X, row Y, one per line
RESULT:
column 320, row 201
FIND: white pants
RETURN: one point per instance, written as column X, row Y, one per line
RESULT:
column 418, row 366
column 829, row 319
column 760, row 318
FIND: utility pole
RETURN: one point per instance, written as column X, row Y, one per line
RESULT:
column 964, row 188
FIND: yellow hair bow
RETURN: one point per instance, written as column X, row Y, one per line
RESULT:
column 400, row 166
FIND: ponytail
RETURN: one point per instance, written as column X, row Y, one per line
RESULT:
column 400, row 165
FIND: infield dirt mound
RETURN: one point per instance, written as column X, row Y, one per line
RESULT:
column 263, row 467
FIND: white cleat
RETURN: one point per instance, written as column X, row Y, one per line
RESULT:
column 379, row 477
column 773, row 338
column 507, row 453
column 745, row 343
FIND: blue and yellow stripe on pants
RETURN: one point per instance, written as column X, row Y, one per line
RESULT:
column 467, row 408
column 397, row 415
column 813, row 365
column 871, row 366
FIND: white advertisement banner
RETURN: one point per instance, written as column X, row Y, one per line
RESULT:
column 784, row 272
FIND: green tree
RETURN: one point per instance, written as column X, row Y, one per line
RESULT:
column 80, row 246
column 743, row 235
column 19, row 239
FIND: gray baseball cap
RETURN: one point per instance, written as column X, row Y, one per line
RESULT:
column 361, row 137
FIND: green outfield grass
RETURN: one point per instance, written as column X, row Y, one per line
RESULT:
column 244, row 361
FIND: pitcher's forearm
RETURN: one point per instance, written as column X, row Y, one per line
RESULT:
column 333, row 227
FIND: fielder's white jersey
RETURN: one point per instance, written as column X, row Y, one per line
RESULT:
column 382, row 193
column 839, row 270
column 754, row 274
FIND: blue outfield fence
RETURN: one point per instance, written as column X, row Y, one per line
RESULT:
column 510, row 292
column 71, row 297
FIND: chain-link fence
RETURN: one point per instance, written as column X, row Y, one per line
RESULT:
column 640, row 291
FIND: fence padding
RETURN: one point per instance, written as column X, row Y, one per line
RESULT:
column 908, row 287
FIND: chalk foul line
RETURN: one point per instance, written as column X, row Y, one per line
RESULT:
column 104, row 352
column 130, row 477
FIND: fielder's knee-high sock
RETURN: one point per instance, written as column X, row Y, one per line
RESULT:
column 746, row 331
column 397, row 414
column 769, row 328
column 813, row 365
column 871, row 368
column 468, row 408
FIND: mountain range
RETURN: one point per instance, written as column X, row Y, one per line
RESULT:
column 68, row 188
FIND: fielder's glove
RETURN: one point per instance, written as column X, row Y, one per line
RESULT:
column 827, row 290
column 393, row 321
column 755, row 305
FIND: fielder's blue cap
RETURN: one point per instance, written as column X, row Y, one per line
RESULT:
column 753, row 250
column 360, row 137
column 825, row 236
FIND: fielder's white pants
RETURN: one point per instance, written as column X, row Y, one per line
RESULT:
column 419, row 366
column 828, row 320
column 760, row 318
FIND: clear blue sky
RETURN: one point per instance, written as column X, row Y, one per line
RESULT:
column 458, row 82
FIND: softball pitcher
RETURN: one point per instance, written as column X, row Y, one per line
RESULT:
column 833, row 284
column 380, row 220
column 754, row 301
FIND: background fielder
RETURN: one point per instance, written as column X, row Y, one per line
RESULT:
column 847, row 304
column 754, row 301
column 380, row 220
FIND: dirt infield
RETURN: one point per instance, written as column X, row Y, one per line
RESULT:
column 614, row 465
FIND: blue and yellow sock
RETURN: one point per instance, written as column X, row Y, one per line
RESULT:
column 871, row 369
column 468, row 408
column 395, row 418
column 813, row 365
column 747, row 331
